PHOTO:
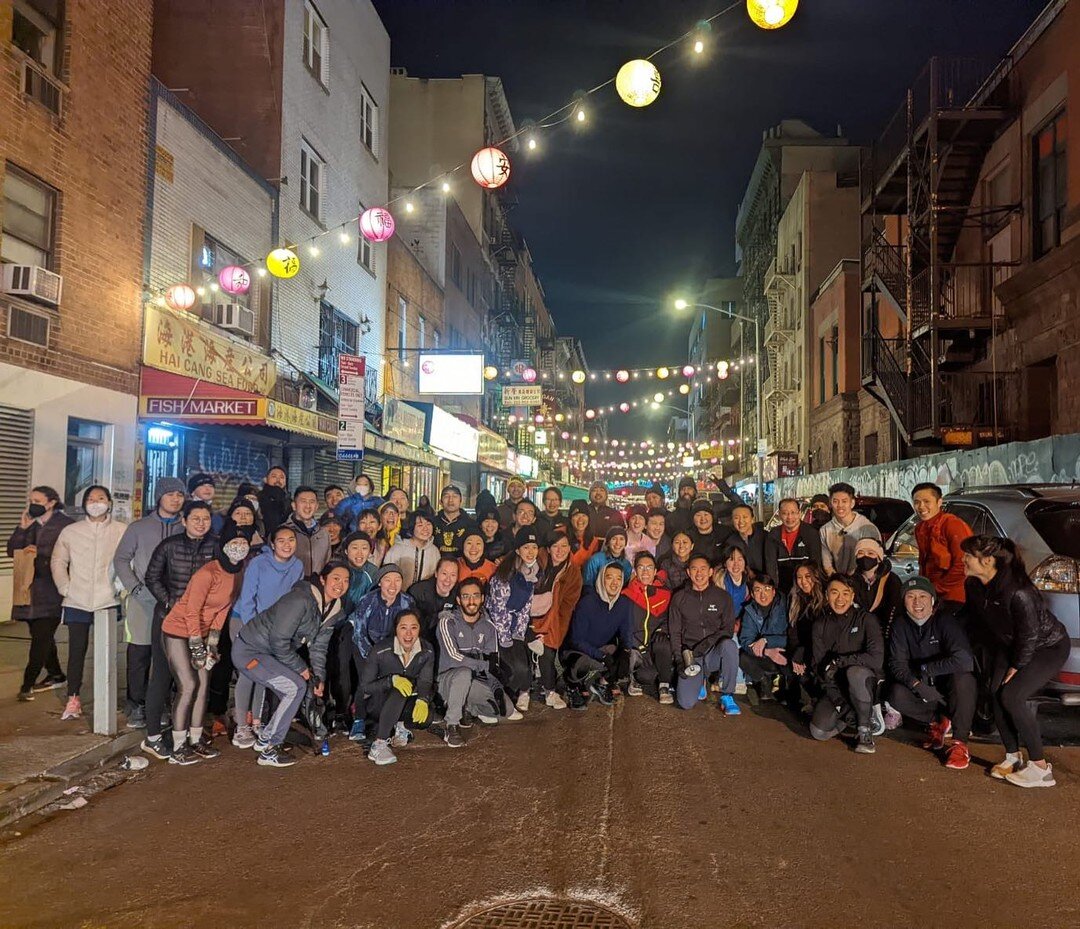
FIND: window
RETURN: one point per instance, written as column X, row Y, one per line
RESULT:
column 369, row 115
column 403, row 327
column 455, row 265
column 423, row 331
column 435, row 338
column 29, row 219
column 821, row 369
column 85, row 457
column 338, row 335
column 365, row 254
column 311, row 174
column 34, row 33
column 1049, row 193
column 316, row 44
column 835, row 345
column 209, row 260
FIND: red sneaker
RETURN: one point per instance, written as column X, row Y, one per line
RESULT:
column 219, row 728
column 958, row 757
column 937, row 733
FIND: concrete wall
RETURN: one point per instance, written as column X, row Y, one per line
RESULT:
column 408, row 280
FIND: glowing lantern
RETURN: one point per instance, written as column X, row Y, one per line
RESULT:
column 578, row 377
column 722, row 370
column 490, row 168
column 283, row 262
column 528, row 375
column 622, row 376
column 771, row 14
column 490, row 372
column 684, row 389
column 638, row 82
column 234, row 280
column 590, row 414
column 565, row 435
column 658, row 397
column 624, row 407
column 180, row 297
column 662, row 373
column 688, row 371
column 376, row 224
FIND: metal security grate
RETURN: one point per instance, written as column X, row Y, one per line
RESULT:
column 544, row 914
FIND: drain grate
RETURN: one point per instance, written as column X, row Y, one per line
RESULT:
column 544, row 913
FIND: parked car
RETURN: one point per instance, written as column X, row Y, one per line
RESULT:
column 1044, row 522
column 887, row 513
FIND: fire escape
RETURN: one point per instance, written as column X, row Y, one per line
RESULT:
column 918, row 183
column 780, row 388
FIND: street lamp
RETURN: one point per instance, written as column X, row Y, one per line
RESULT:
column 730, row 314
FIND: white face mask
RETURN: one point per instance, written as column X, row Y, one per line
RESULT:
column 236, row 552
column 97, row 509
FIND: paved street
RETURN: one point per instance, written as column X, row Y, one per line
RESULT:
column 676, row 819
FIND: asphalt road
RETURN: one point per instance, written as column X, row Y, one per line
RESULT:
column 675, row 819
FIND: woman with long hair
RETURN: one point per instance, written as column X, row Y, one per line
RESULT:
column 1028, row 646
column 733, row 575
column 509, row 607
column 806, row 603
column 583, row 544
column 554, row 597
column 673, row 565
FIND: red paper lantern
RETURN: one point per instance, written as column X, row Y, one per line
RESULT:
column 234, row 280
column 490, row 168
column 180, row 297
column 376, row 224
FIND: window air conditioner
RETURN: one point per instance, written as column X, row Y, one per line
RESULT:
column 33, row 282
column 235, row 317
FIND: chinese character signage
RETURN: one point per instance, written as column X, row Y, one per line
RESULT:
column 522, row 395
column 403, row 422
column 350, row 443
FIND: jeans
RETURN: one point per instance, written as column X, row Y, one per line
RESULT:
column 549, row 673
column 42, row 650
column 462, row 690
column 1016, row 721
column 958, row 692
column 852, row 688
column 289, row 686
column 722, row 657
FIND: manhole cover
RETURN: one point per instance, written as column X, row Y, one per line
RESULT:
column 544, row 914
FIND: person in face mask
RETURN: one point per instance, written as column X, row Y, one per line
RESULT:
column 192, row 634
column 877, row 588
column 932, row 669
column 362, row 498
column 820, row 510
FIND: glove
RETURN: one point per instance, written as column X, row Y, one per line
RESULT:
column 927, row 693
column 212, row 641
column 687, row 657
column 420, row 712
column 402, row 685
column 198, row 652
column 536, row 646
column 609, row 649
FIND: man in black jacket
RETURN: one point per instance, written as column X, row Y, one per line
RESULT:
column 931, row 663
column 757, row 545
column 435, row 595
column 796, row 543
column 452, row 523
column 681, row 519
column 708, row 538
column 601, row 516
column 551, row 521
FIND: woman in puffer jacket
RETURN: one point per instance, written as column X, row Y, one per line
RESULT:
column 82, row 570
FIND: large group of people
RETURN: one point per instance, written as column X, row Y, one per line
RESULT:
column 373, row 618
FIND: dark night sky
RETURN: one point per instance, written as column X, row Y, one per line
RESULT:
column 641, row 204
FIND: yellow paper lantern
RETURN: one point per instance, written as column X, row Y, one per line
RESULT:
column 771, row 14
column 662, row 373
column 578, row 377
column 638, row 82
column 283, row 262
column 491, row 372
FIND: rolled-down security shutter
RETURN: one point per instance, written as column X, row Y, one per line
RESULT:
column 16, row 457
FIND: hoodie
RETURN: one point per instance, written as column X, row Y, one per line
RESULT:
column 599, row 619
column 601, row 560
column 266, row 580
column 838, row 543
column 349, row 510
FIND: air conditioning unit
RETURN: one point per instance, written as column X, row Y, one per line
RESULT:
column 33, row 282
column 235, row 317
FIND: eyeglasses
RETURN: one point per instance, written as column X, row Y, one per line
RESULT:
column 470, row 597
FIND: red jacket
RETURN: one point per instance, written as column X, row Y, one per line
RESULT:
column 940, row 557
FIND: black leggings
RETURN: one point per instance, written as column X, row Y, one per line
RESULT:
column 515, row 669
column 42, row 650
column 160, row 684
column 78, row 642
column 959, row 693
column 221, row 677
column 1016, row 721
column 390, row 708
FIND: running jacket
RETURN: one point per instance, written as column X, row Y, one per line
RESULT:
column 936, row 648
column 1016, row 617
column 598, row 621
column 463, row 644
column 650, row 607
column 851, row 639
column 380, row 667
column 699, row 619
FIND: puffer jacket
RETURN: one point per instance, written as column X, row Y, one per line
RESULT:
column 1015, row 617
column 82, row 564
column 383, row 664
column 299, row 618
column 44, row 597
column 172, row 566
column 130, row 562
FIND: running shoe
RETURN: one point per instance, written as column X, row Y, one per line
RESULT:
column 553, row 700
column 1004, row 768
column 466, row 721
column 72, row 709
column 204, row 749
column 487, row 720
column 401, row 737
column 729, row 706
column 666, row 697
column 380, row 752
column 356, row 733
column 864, row 743
column 136, row 719
column 936, row 734
column 155, row 748
column 602, row 692
column 877, row 720
column 893, row 719
column 184, row 755
column 270, row 757
column 26, row 696
column 958, row 756
column 52, row 682
column 243, row 737
column 1031, row 775
column 633, row 689
column 523, row 701
column 453, row 737
column 514, row 715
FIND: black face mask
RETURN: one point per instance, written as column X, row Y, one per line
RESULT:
column 866, row 563
column 35, row 510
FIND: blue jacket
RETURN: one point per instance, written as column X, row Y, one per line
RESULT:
column 598, row 561
column 361, row 580
column 373, row 620
column 349, row 510
column 598, row 622
column 772, row 626
column 266, row 580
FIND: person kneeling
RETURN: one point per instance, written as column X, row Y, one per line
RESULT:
column 396, row 683
column 601, row 625
column 763, row 638
column 467, row 643
column 848, row 652
column 932, row 664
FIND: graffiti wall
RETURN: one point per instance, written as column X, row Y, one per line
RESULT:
column 1051, row 460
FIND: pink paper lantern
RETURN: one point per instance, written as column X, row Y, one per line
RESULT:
column 490, row 168
column 376, row 224
column 590, row 414
column 180, row 297
column 528, row 375
column 688, row 371
column 622, row 376
column 624, row 407
column 234, row 280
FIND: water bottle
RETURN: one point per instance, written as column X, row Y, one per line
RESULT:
column 325, row 749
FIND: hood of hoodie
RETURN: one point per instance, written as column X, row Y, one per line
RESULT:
column 269, row 561
column 599, row 585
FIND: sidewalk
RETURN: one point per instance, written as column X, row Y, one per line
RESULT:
column 40, row 756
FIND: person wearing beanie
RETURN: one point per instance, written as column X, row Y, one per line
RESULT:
column 613, row 551
column 842, row 533
column 417, row 555
column 201, row 486
column 373, row 618
column 274, row 503
column 820, row 510
column 636, row 539
column 655, row 498
column 452, row 523
column 877, row 588
column 601, row 516
column 938, row 535
column 931, row 664
column 473, row 561
column 708, row 538
column 583, row 543
column 132, row 556
column 681, row 520
column 496, row 545
column 515, row 492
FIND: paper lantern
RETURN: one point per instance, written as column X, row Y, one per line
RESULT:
column 528, row 375
column 622, row 376
column 638, row 82
column 234, row 280
column 491, row 372
column 565, row 435
column 658, row 397
column 578, row 377
column 590, row 414
column 490, row 168
column 688, row 371
column 180, row 297
column 624, row 407
column 662, row 373
column 771, row 14
column 376, row 224
column 283, row 262
column 684, row 389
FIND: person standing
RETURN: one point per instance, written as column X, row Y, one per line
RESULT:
column 707, row 537
column 682, row 520
column 760, row 549
column 583, row 544
column 551, row 520
column 877, row 588
column 452, row 523
column 673, row 566
column 417, row 555
column 432, row 596
column 362, row 498
column 312, row 540
column 656, row 532
column 795, row 542
column 274, row 499
column 332, row 496
column 509, row 607
column 655, row 499
column 939, row 536
column 34, row 539
column 202, row 486
column 601, row 516
column 554, row 598
column 842, row 533
column 636, row 538
column 82, row 569
column 515, row 493
column 495, row 545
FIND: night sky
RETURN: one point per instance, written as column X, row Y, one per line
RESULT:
column 640, row 204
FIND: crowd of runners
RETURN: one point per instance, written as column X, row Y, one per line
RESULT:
column 362, row 615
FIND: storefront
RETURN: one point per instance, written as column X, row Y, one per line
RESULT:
column 491, row 460
column 455, row 442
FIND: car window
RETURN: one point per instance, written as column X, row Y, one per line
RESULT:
column 977, row 517
column 885, row 514
column 1059, row 526
column 903, row 544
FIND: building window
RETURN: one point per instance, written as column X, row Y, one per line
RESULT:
column 338, row 335
column 369, row 115
column 29, row 219
column 455, row 265
column 435, row 339
column 311, row 176
column 34, row 32
column 210, row 259
column 834, row 344
column 1050, row 184
column 316, row 44
column 85, row 457
column 423, row 331
column 403, row 327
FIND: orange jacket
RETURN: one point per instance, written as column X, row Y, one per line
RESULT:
column 482, row 571
column 940, row 558
column 206, row 602
column 565, row 593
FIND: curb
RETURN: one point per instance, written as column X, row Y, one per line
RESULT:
column 32, row 795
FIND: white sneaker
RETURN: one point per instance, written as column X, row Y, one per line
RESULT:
column 554, row 701
column 740, row 687
column 1031, row 775
column 513, row 716
column 877, row 721
column 401, row 736
column 489, row 720
column 523, row 701
column 633, row 689
column 666, row 697
column 380, row 752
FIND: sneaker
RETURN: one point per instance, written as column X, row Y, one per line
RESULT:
column 740, row 688
column 243, row 737
column 523, row 701
column 1031, row 775
column 514, row 715
column 380, row 752
column 270, row 757
column 488, row 720
column 466, row 721
column 704, row 692
column 578, row 700
column 356, row 733
column 936, row 734
column 401, row 737
column 51, row 682
column 72, row 709
column 602, row 692
column 218, row 728
column 753, row 694
column 136, row 719
column 633, row 689
column 729, row 706
column 204, row 749
column 453, row 737
column 877, row 720
column 553, row 700
column 185, row 755
column 893, row 720
column 155, row 748
column 1004, row 768
column 26, row 696
column 958, row 756
column 666, row 697
column 864, row 743
column 765, row 689
column 260, row 746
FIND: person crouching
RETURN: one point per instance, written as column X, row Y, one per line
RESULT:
column 601, row 625
column 762, row 639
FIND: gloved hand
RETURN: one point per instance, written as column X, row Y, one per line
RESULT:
column 212, row 641
column 420, row 712
column 687, row 657
column 609, row 649
column 927, row 692
column 536, row 646
column 198, row 652
column 402, row 685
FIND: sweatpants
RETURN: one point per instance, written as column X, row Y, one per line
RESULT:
column 42, row 650
column 515, row 669
column 958, row 692
column 78, row 643
column 722, row 657
column 853, row 688
column 462, row 690
column 192, row 686
column 159, row 687
column 389, row 708
column 1016, row 721
column 138, row 676
column 657, row 662
column 756, row 668
column 289, row 686
column 247, row 695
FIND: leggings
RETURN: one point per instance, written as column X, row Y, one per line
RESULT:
column 391, row 708
column 549, row 673
column 78, row 642
column 160, row 683
column 220, row 679
column 515, row 669
column 1016, row 720
column 248, row 697
column 192, row 686
column 42, row 650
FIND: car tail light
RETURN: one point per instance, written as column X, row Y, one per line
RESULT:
column 1057, row 574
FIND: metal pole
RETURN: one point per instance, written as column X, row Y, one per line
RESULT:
column 760, row 430
column 105, row 644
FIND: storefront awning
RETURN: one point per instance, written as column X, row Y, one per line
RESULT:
column 172, row 396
